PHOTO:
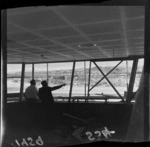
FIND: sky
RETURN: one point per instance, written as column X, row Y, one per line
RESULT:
column 11, row 68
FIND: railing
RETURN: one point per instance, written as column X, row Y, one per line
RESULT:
column 86, row 99
column 12, row 95
column 75, row 99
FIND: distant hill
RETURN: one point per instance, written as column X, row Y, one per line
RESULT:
column 118, row 77
column 94, row 70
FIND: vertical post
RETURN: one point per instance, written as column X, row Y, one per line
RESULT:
column 85, row 77
column 32, row 70
column 132, row 80
column 47, row 74
column 127, row 74
column 71, row 84
column 22, row 81
column 3, row 70
column 4, row 56
column 89, row 80
column 146, row 74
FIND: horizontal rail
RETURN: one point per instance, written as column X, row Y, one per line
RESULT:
column 15, row 97
column 74, row 97
column 9, row 95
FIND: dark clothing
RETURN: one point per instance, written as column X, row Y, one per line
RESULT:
column 31, row 100
column 47, row 104
column 45, row 94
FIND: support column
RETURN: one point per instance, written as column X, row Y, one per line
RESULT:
column 89, row 80
column 22, row 81
column 4, row 57
column 147, row 74
column 139, row 127
column 71, row 84
column 85, row 77
column 132, row 81
column 47, row 74
column 32, row 70
column 3, row 71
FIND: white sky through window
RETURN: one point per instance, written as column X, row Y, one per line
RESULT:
column 17, row 67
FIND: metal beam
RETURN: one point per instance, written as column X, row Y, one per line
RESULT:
column 71, row 84
column 4, row 58
column 123, row 21
column 105, row 75
column 89, row 80
column 47, row 73
column 77, row 60
column 85, row 76
column 32, row 70
column 146, row 74
column 3, row 72
column 132, row 81
column 109, row 82
column 22, row 81
column 78, row 30
column 42, row 36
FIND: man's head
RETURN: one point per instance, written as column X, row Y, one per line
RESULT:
column 32, row 82
column 44, row 83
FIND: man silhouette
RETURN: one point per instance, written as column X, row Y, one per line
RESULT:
column 45, row 93
column 31, row 92
column 31, row 95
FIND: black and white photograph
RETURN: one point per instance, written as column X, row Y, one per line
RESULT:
column 75, row 75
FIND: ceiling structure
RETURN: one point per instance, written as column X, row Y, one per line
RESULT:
column 71, row 33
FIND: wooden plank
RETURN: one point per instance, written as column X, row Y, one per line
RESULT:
column 22, row 82
column 109, row 82
column 71, row 84
column 132, row 81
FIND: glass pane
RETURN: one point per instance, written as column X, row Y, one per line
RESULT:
column 80, row 79
column 13, row 85
column 40, row 73
column 13, row 78
column 28, row 75
column 60, row 73
column 14, row 70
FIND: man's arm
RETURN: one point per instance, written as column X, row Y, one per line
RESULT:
column 57, row 87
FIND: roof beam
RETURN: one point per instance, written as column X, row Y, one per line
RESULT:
column 41, row 8
column 32, row 46
column 78, row 30
column 107, row 21
column 76, row 43
column 50, row 51
column 123, row 21
column 42, row 36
